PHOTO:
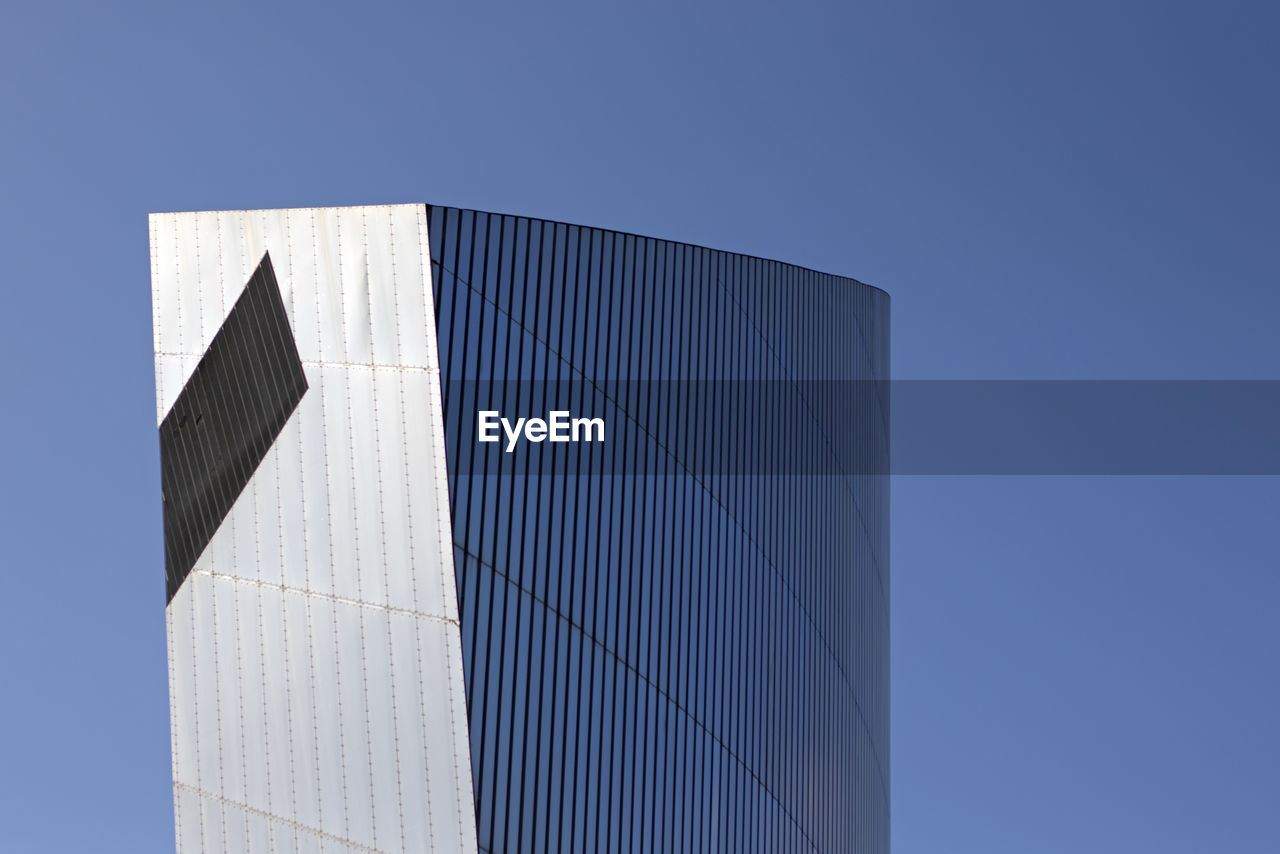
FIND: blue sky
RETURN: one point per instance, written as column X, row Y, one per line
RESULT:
column 1081, row 190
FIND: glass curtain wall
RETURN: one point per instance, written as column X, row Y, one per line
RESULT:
column 663, row 654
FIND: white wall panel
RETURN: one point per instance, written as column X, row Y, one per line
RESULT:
column 303, row 842
column 164, row 291
column 188, row 818
column 353, row 272
column 428, row 497
column 250, row 618
column 309, row 418
column 415, row 322
column 260, row 835
column 212, row 302
column 332, row 756
column 187, row 259
column 411, row 725
column 268, row 517
column 301, row 265
column 235, row 824
column 316, row 685
column 381, row 276
column 292, row 505
column 380, row 701
column 332, row 345
column 446, row 699
column 398, row 577
column 354, row 723
column 304, row 745
column 339, row 465
column 182, row 689
column 205, row 676
column 234, row 549
column 230, row 682
column 275, row 765
column 212, row 826
column 370, row 574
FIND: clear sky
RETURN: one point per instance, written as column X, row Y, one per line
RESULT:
column 1070, row 190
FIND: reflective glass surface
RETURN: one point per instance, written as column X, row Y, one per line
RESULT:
column 678, row 658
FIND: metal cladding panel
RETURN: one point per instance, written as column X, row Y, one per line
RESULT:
column 316, row 688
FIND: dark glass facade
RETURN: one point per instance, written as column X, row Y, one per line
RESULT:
column 693, row 660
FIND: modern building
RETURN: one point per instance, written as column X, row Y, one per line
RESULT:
column 388, row 635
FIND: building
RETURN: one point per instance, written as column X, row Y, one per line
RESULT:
column 385, row 635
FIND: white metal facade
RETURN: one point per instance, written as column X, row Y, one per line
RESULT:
column 315, row 665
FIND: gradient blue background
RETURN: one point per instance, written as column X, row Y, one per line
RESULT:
column 1083, row 190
